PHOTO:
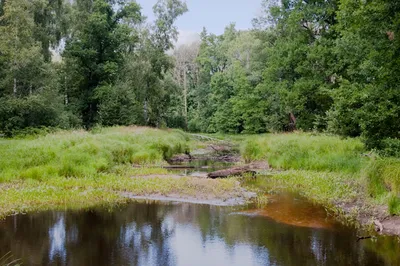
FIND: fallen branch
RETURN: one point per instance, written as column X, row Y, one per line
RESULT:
column 179, row 167
column 359, row 238
column 231, row 172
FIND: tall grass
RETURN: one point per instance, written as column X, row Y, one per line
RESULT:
column 317, row 155
column 383, row 176
column 82, row 154
column 305, row 151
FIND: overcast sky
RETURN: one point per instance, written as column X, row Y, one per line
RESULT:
column 215, row 15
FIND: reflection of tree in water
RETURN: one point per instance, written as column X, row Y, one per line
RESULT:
column 140, row 234
column 90, row 238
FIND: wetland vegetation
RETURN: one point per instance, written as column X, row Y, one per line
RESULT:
column 99, row 108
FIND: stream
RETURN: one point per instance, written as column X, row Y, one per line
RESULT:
column 289, row 230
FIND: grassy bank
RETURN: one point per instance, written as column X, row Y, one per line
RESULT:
column 82, row 154
column 327, row 169
column 60, row 193
column 80, row 169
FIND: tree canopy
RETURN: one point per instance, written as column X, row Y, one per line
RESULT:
column 317, row 65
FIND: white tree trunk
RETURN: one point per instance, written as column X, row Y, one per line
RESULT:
column 15, row 87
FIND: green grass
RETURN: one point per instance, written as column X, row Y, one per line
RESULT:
column 75, row 169
column 326, row 168
column 61, row 193
column 305, row 151
column 383, row 179
column 79, row 169
column 322, row 187
column 82, row 154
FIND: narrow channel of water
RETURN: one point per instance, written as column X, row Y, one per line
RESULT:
column 151, row 233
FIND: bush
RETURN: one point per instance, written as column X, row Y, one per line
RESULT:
column 390, row 147
column 20, row 115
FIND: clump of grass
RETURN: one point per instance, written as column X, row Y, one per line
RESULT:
column 304, row 151
column 82, row 154
column 251, row 151
column 394, row 204
column 383, row 179
column 262, row 201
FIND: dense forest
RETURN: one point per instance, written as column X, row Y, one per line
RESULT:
column 315, row 65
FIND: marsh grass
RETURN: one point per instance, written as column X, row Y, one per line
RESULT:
column 326, row 168
column 61, row 193
column 82, row 154
column 383, row 179
column 305, row 151
column 321, row 187
column 81, row 169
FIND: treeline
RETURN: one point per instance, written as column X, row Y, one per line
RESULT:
column 330, row 65
column 112, row 68
column 334, row 65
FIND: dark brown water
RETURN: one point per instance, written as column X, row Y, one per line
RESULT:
column 189, row 235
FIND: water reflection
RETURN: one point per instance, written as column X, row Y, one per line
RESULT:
column 293, row 210
column 177, row 234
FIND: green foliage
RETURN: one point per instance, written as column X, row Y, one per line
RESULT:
column 94, row 52
column 331, row 64
column 17, row 115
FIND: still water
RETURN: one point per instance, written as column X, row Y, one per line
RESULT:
column 287, row 232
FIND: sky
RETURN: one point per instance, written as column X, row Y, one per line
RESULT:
column 215, row 15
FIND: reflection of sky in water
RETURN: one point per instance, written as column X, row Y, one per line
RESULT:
column 188, row 246
column 57, row 240
column 181, row 235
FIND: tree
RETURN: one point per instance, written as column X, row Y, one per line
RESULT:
column 94, row 51
column 186, row 75
column 367, row 101
column 152, row 63
column 23, row 64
